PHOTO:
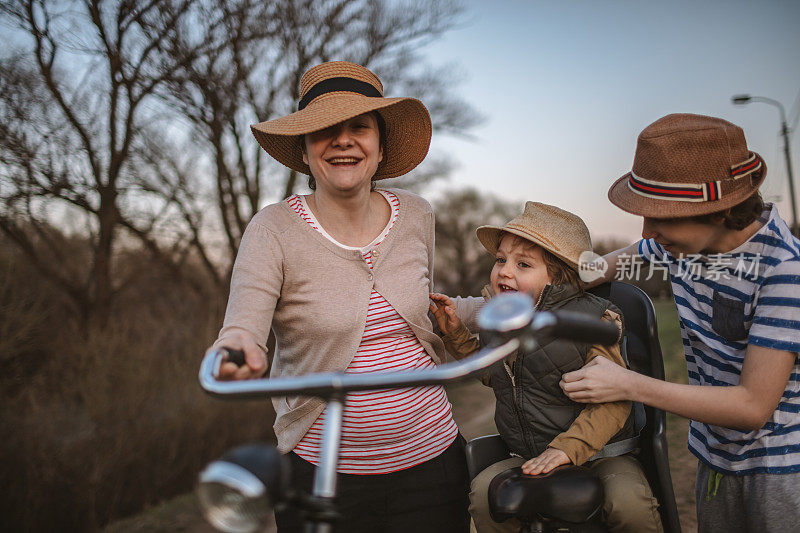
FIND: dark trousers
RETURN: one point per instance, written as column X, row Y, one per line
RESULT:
column 430, row 497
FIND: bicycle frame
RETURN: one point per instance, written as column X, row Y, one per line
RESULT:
column 333, row 387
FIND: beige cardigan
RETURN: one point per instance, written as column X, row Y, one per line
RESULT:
column 314, row 294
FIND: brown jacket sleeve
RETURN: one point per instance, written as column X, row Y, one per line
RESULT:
column 597, row 423
column 460, row 343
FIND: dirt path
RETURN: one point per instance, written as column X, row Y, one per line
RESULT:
column 683, row 467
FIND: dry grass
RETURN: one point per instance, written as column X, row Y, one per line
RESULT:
column 100, row 424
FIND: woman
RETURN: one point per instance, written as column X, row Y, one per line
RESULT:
column 342, row 277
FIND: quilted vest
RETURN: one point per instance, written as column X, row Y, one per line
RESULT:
column 531, row 408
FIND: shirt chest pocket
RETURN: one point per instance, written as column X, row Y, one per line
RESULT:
column 727, row 318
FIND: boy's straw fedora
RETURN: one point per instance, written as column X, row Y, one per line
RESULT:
column 557, row 231
column 688, row 165
column 336, row 91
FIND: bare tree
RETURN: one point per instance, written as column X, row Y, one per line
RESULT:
column 462, row 263
column 77, row 109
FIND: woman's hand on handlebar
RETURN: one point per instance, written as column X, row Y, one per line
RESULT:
column 255, row 360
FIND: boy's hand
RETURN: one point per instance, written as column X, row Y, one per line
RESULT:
column 545, row 462
column 445, row 312
column 598, row 381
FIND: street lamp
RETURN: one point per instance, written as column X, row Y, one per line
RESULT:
column 742, row 99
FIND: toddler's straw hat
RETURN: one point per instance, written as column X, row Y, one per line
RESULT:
column 688, row 165
column 336, row 91
column 557, row 231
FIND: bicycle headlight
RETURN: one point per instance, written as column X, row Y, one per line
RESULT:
column 237, row 491
column 504, row 316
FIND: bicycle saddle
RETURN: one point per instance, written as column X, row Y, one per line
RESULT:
column 570, row 494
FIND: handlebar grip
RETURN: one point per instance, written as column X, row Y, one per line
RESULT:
column 235, row 356
column 583, row 328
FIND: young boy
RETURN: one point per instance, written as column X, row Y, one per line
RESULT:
column 538, row 253
column 735, row 272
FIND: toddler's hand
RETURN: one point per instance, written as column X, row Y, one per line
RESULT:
column 545, row 462
column 445, row 312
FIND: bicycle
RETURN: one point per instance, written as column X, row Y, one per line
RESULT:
column 237, row 490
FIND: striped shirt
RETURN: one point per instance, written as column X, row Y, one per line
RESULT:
column 725, row 302
column 388, row 430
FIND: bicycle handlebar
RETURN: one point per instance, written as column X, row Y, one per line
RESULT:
column 583, row 328
column 330, row 383
column 509, row 318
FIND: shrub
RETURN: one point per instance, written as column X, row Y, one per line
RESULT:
column 101, row 423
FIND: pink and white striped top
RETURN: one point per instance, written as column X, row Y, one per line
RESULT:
column 389, row 430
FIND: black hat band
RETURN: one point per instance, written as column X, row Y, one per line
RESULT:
column 337, row 85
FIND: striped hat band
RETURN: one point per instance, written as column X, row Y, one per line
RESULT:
column 691, row 192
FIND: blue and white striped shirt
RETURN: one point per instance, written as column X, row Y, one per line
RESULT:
column 750, row 295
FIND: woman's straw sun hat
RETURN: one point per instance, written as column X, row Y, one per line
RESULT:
column 688, row 165
column 336, row 91
column 560, row 232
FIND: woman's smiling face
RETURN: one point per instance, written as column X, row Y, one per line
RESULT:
column 345, row 156
column 519, row 266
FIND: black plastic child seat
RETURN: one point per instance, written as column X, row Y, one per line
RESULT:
column 517, row 495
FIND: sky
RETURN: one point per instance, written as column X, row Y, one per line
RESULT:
column 566, row 86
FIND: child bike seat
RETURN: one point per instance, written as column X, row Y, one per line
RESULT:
column 568, row 493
